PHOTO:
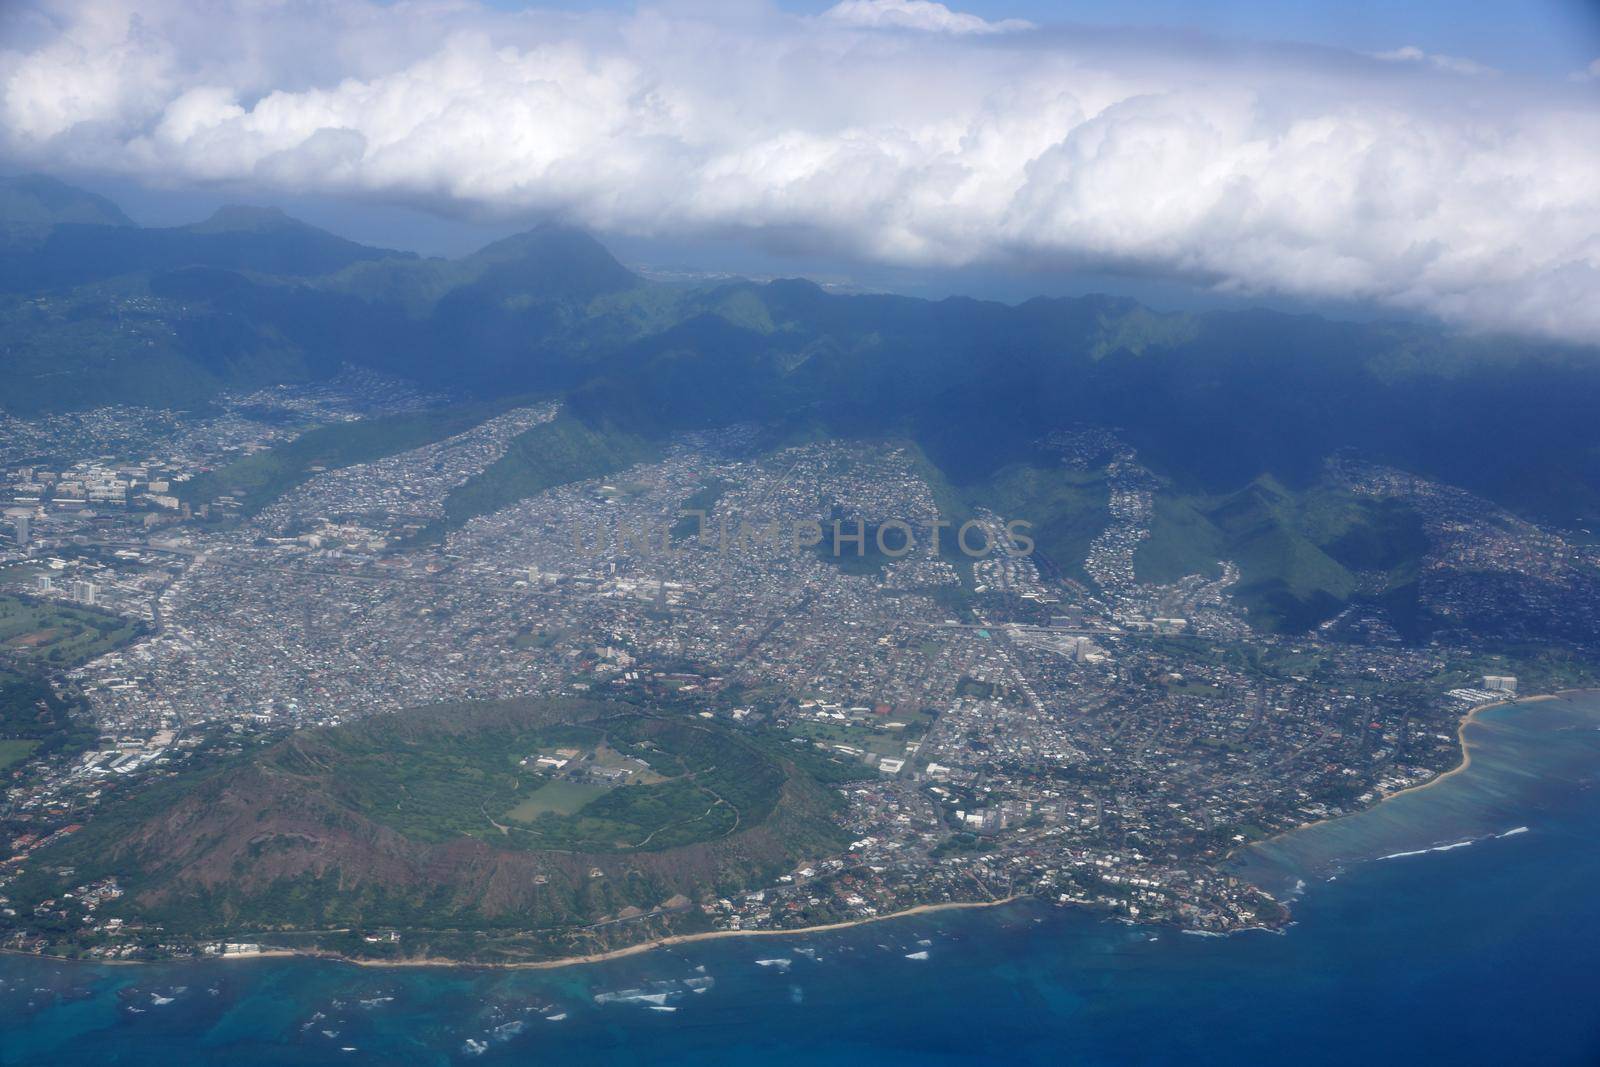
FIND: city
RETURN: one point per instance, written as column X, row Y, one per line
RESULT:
column 996, row 727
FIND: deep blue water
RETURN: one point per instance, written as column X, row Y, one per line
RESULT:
column 1484, row 954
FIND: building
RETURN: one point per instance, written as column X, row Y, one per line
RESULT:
column 1500, row 683
column 84, row 593
column 21, row 522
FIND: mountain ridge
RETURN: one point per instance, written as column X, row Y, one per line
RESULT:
column 1209, row 402
column 248, row 843
column 30, row 204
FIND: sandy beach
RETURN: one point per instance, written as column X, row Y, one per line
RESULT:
column 545, row 965
column 661, row 942
column 1467, row 718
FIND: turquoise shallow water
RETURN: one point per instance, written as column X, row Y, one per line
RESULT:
column 1527, row 759
column 1484, row 953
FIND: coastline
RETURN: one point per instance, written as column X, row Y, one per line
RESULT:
column 664, row 942
column 1467, row 718
column 541, row 965
column 1461, row 738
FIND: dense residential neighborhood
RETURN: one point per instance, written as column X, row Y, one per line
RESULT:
column 997, row 723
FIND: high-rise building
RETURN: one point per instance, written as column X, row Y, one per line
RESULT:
column 22, row 531
column 84, row 593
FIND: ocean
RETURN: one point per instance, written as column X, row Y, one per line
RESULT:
column 1459, row 923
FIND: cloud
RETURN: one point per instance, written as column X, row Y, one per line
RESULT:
column 1452, row 64
column 1587, row 74
column 908, row 141
column 916, row 15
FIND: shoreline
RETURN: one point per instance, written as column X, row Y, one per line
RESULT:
column 1468, row 717
column 541, row 965
column 1461, row 738
column 1471, row 715
column 668, row 941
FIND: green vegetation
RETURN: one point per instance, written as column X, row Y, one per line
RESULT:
column 1067, row 508
column 415, row 821
column 35, row 721
column 259, row 479
column 691, row 782
column 517, row 271
column 1238, row 412
column 566, row 449
column 528, row 637
column 971, row 687
column 103, row 345
column 864, row 558
column 1302, row 555
column 45, row 634
column 875, row 736
column 15, row 751
column 31, row 204
column 827, row 767
column 1539, row 668
column 555, row 797
column 38, row 638
column 703, row 500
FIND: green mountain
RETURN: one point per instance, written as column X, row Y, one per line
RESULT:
column 1302, row 555
column 1235, row 413
column 440, row 821
column 32, row 204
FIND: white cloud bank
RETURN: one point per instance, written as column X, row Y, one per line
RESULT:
column 916, row 15
column 895, row 130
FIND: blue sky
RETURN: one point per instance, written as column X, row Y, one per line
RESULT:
column 1525, row 36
